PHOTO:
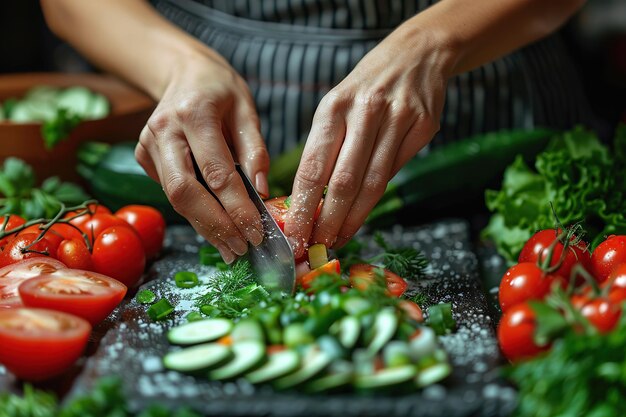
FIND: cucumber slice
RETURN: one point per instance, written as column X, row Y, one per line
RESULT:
column 424, row 344
column 248, row 329
column 433, row 374
column 314, row 362
column 384, row 328
column 247, row 355
column 318, row 255
column 386, row 378
column 340, row 375
column 200, row 331
column 278, row 365
column 356, row 306
column 198, row 358
column 331, row 346
column 364, row 362
column 296, row 335
column 99, row 107
column 396, row 353
column 349, row 331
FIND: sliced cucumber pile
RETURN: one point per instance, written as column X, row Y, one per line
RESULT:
column 333, row 342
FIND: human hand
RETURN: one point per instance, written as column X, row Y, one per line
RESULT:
column 364, row 130
column 206, row 111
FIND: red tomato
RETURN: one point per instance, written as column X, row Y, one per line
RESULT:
column 98, row 223
column 616, row 284
column 85, row 294
column 36, row 344
column 330, row 267
column 278, row 210
column 149, row 223
column 15, row 250
column 539, row 243
column 74, row 254
column 607, row 256
column 516, row 332
column 412, row 310
column 525, row 281
column 14, row 221
column 600, row 311
column 362, row 275
column 93, row 209
column 118, row 253
column 13, row 275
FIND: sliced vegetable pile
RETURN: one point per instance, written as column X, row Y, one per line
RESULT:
column 60, row 110
column 583, row 179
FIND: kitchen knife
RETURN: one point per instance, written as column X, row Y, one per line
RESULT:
column 272, row 261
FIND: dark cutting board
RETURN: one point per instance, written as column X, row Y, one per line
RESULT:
column 132, row 348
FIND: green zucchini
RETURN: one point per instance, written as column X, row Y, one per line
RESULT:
column 278, row 365
column 199, row 358
column 456, row 172
column 386, row 378
column 247, row 355
column 382, row 332
column 116, row 179
column 313, row 363
column 340, row 374
column 348, row 331
column 200, row 331
column 248, row 329
column 295, row 335
column 433, row 374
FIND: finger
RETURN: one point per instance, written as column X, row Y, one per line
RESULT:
column 318, row 158
column 250, row 147
column 144, row 159
column 202, row 126
column 192, row 201
column 378, row 172
column 345, row 182
column 422, row 132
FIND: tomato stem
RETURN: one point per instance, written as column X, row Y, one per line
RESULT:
column 580, row 270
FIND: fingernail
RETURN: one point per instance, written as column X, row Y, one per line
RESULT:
column 339, row 242
column 237, row 245
column 227, row 255
column 260, row 181
column 255, row 236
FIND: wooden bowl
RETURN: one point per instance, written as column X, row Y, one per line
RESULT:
column 130, row 110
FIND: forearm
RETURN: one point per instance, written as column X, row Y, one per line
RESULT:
column 126, row 37
column 480, row 31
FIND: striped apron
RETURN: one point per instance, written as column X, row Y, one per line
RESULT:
column 292, row 52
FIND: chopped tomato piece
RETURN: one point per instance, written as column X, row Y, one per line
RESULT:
column 362, row 275
column 330, row 267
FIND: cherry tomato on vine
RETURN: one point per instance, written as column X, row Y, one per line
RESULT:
column 538, row 246
column 13, row 275
column 149, row 223
column 75, row 254
column 362, row 275
column 93, row 210
column 13, row 222
column 607, row 256
column 38, row 344
column 98, row 223
column 525, row 281
column 85, row 294
column 601, row 311
column 516, row 332
column 118, row 253
column 16, row 251
column 616, row 284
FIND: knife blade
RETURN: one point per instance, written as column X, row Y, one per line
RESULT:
column 272, row 261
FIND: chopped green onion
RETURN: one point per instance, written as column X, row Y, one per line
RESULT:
column 210, row 256
column 194, row 316
column 209, row 310
column 160, row 309
column 440, row 318
column 145, row 297
column 222, row 266
column 186, row 279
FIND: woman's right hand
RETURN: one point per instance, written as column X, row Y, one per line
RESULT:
column 206, row 111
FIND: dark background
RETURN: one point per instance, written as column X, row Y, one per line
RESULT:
column 596, row 38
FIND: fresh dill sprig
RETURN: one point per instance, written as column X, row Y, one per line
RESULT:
column 406, row 262
column 420, row 299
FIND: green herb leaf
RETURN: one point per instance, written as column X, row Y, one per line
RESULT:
column 440, row 318
column 160, row 309
column 186, row 279
column 145, row 297
column 59, row 127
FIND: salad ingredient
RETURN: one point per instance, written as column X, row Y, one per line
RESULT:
column 516, row 333
column 12, row 276
column 200, row 331
column 149, row 224
column 75, row 254
column 278, row 365
column 526, row 281
column 27, row 332
column 608, row 256
column 199, row 358
column 186, row 279
column 118, row 253
column 160, row 309
column 22, row 247
column 84, row 294
column 440, row 318
column 10, row 221
column 247, row 355
column 145, row 297
column 362, row 275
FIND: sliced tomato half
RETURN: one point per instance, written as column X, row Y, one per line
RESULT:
column 13, row 275
column 363, row 275
column 36, row 344
column 85, row 294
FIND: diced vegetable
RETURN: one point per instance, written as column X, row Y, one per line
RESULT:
column 318, row 255
column 313, row 363
column 200, row 331
column 278, row 365
column 197, row 358
column 386, row 378
column 248, row 354
column 384, row 328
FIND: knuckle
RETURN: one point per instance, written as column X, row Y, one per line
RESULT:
column 194, row 104
column 239, row 215
column 218, row 175
column 375, row 183
column 373, row 101
column 177, row 190
column 332, row 101
column 311, row 172
column 427, row 123
column 344, row 183
column 158, row 121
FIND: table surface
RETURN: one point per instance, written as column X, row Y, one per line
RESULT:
column 130, row 345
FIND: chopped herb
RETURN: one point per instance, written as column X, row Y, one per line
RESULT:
column 210, row 256
column 160, row 309
column 145, row 297
column 440, row 318
column 420, row 299
column 406, row 262
column 59, row 127
column 186, row 279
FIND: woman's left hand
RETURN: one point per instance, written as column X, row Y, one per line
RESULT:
column 364, row 130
